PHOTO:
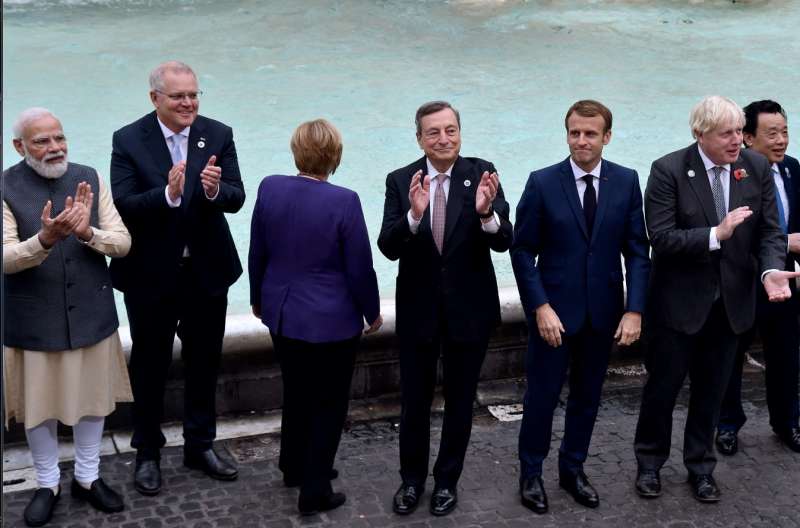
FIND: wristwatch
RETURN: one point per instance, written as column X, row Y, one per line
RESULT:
column 489, row 213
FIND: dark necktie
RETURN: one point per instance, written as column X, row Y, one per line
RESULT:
column 719, row 193
column 589, row 202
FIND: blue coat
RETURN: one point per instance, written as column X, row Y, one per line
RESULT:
column 556, row 262
column 310, row 260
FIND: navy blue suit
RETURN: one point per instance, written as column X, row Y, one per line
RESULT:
column 780, row 336
column 557, row 261
column 312, row 280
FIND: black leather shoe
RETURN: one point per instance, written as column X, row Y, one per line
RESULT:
column 648, row 483
column 316, row 505
column 293, row 481
column 791, row 438
column 704, row 488
column 727, row 443
column 40, row 508
column 211, row 464
column 147, row 477
column 531, row 491
column 578, row 486
column 443, row 500
column 98, row 495
column 407, row 498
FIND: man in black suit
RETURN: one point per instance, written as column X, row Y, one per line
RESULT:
column 174, row 175
column 713, row 223
column 442, row 216
column 766, row 132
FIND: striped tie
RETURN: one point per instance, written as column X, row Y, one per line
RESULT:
column 439, row 208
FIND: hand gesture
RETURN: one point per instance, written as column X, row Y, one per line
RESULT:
column 419, row 194
column 376, row 324
column 794, row 242
column 629, row 329
column 84, row 197
column 487, row 190
column 175, row 180
column 776, row 284
column 550, row 327
column 731, row 221
column 210, row 177
column 60, row 227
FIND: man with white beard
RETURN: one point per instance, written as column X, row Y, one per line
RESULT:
column 62, row 355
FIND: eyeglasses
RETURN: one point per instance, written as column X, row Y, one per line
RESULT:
column 178, row 97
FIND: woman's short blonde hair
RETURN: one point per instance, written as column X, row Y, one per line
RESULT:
column 714, row 111
column 317, row 147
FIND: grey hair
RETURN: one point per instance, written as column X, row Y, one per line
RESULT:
column 157, row 75
column 28, row 115
column 713, row 111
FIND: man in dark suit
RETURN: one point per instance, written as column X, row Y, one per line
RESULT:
column 766, row 132
column 174, row 175
column 442, row 216
column 575, row 221
column 713, row 224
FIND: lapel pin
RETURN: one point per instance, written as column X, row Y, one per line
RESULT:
column 786, row 170
column 467, row 183
column 201, row 143
column 690, row 173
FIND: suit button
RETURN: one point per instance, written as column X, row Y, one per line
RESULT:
column 69, row 284
column 70, row 308
column 444, row 269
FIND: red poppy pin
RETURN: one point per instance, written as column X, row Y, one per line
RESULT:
column 740, row 174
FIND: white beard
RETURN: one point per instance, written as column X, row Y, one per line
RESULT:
column 51, row 171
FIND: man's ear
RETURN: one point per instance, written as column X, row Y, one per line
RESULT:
column 19, row 147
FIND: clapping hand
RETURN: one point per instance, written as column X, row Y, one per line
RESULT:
column 176, row 179
column 487, row 190
column 60, row 227
column 210, row 177
column 419, row 194
column 84, row 198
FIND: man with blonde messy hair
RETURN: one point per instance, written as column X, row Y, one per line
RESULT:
column 713, row 223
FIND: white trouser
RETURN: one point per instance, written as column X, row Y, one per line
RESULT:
column 43, row 442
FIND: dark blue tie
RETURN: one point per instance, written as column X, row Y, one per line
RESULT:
column 589, row 202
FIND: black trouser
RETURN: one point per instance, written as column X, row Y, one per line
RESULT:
column 461, row 366
column 316, row 392
column 708, row 358
column 777, row 326
column 586, row 354
column 199, row 320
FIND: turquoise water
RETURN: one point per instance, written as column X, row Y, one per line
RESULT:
column 512, row 68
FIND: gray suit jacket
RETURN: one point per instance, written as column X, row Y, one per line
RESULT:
column 686, row 276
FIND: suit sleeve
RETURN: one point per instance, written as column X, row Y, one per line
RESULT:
column 772, row 241
column 231, row 190
column 395, row 232
column 636, row 250
column 133, row 203
column 525, row 248
column 361, row 279
column 661, row 213
column 258, row 255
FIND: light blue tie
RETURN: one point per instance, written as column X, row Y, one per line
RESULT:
column 175, row 149
column 781, row 212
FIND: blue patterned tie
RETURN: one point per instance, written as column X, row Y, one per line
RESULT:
column 781, row 212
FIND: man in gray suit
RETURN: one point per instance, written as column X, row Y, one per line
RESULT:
column 713, row 224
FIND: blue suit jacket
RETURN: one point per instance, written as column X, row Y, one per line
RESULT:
column 556, row 262
column 310, row 260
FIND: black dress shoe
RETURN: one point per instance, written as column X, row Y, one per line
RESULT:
column 791, row 437
column 407, row 498
column 40, row 508
column 292, row 481
column 315, row 505
column 648, row 483
column 578, row 486
column 147, row 477
column 727, row 443
column 531, row 491
column 704, row 488
column 443, row 500
column 211, row 464
column 98, row 495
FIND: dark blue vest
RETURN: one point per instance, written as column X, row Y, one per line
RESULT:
column 67, row 301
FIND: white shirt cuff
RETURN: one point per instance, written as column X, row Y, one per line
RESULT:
column 176, row 203
column 212, row 198
column 764, row 274
column 713, row 242
column 492, row 226
column 413, row 225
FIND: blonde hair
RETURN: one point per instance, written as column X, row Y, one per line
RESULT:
column 714, row 111
column 317, row 147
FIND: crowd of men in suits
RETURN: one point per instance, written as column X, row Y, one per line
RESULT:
column 708, row 257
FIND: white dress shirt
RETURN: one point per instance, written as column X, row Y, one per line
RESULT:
column 579, row 173
column 725, row 180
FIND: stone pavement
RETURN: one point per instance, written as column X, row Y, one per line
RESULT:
column 761, row 484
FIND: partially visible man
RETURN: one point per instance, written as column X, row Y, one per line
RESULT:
column 766, row 132
column 576, row 220
column 713, row 224
column 63, row 359
column 442, row 216
column 174, row 175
